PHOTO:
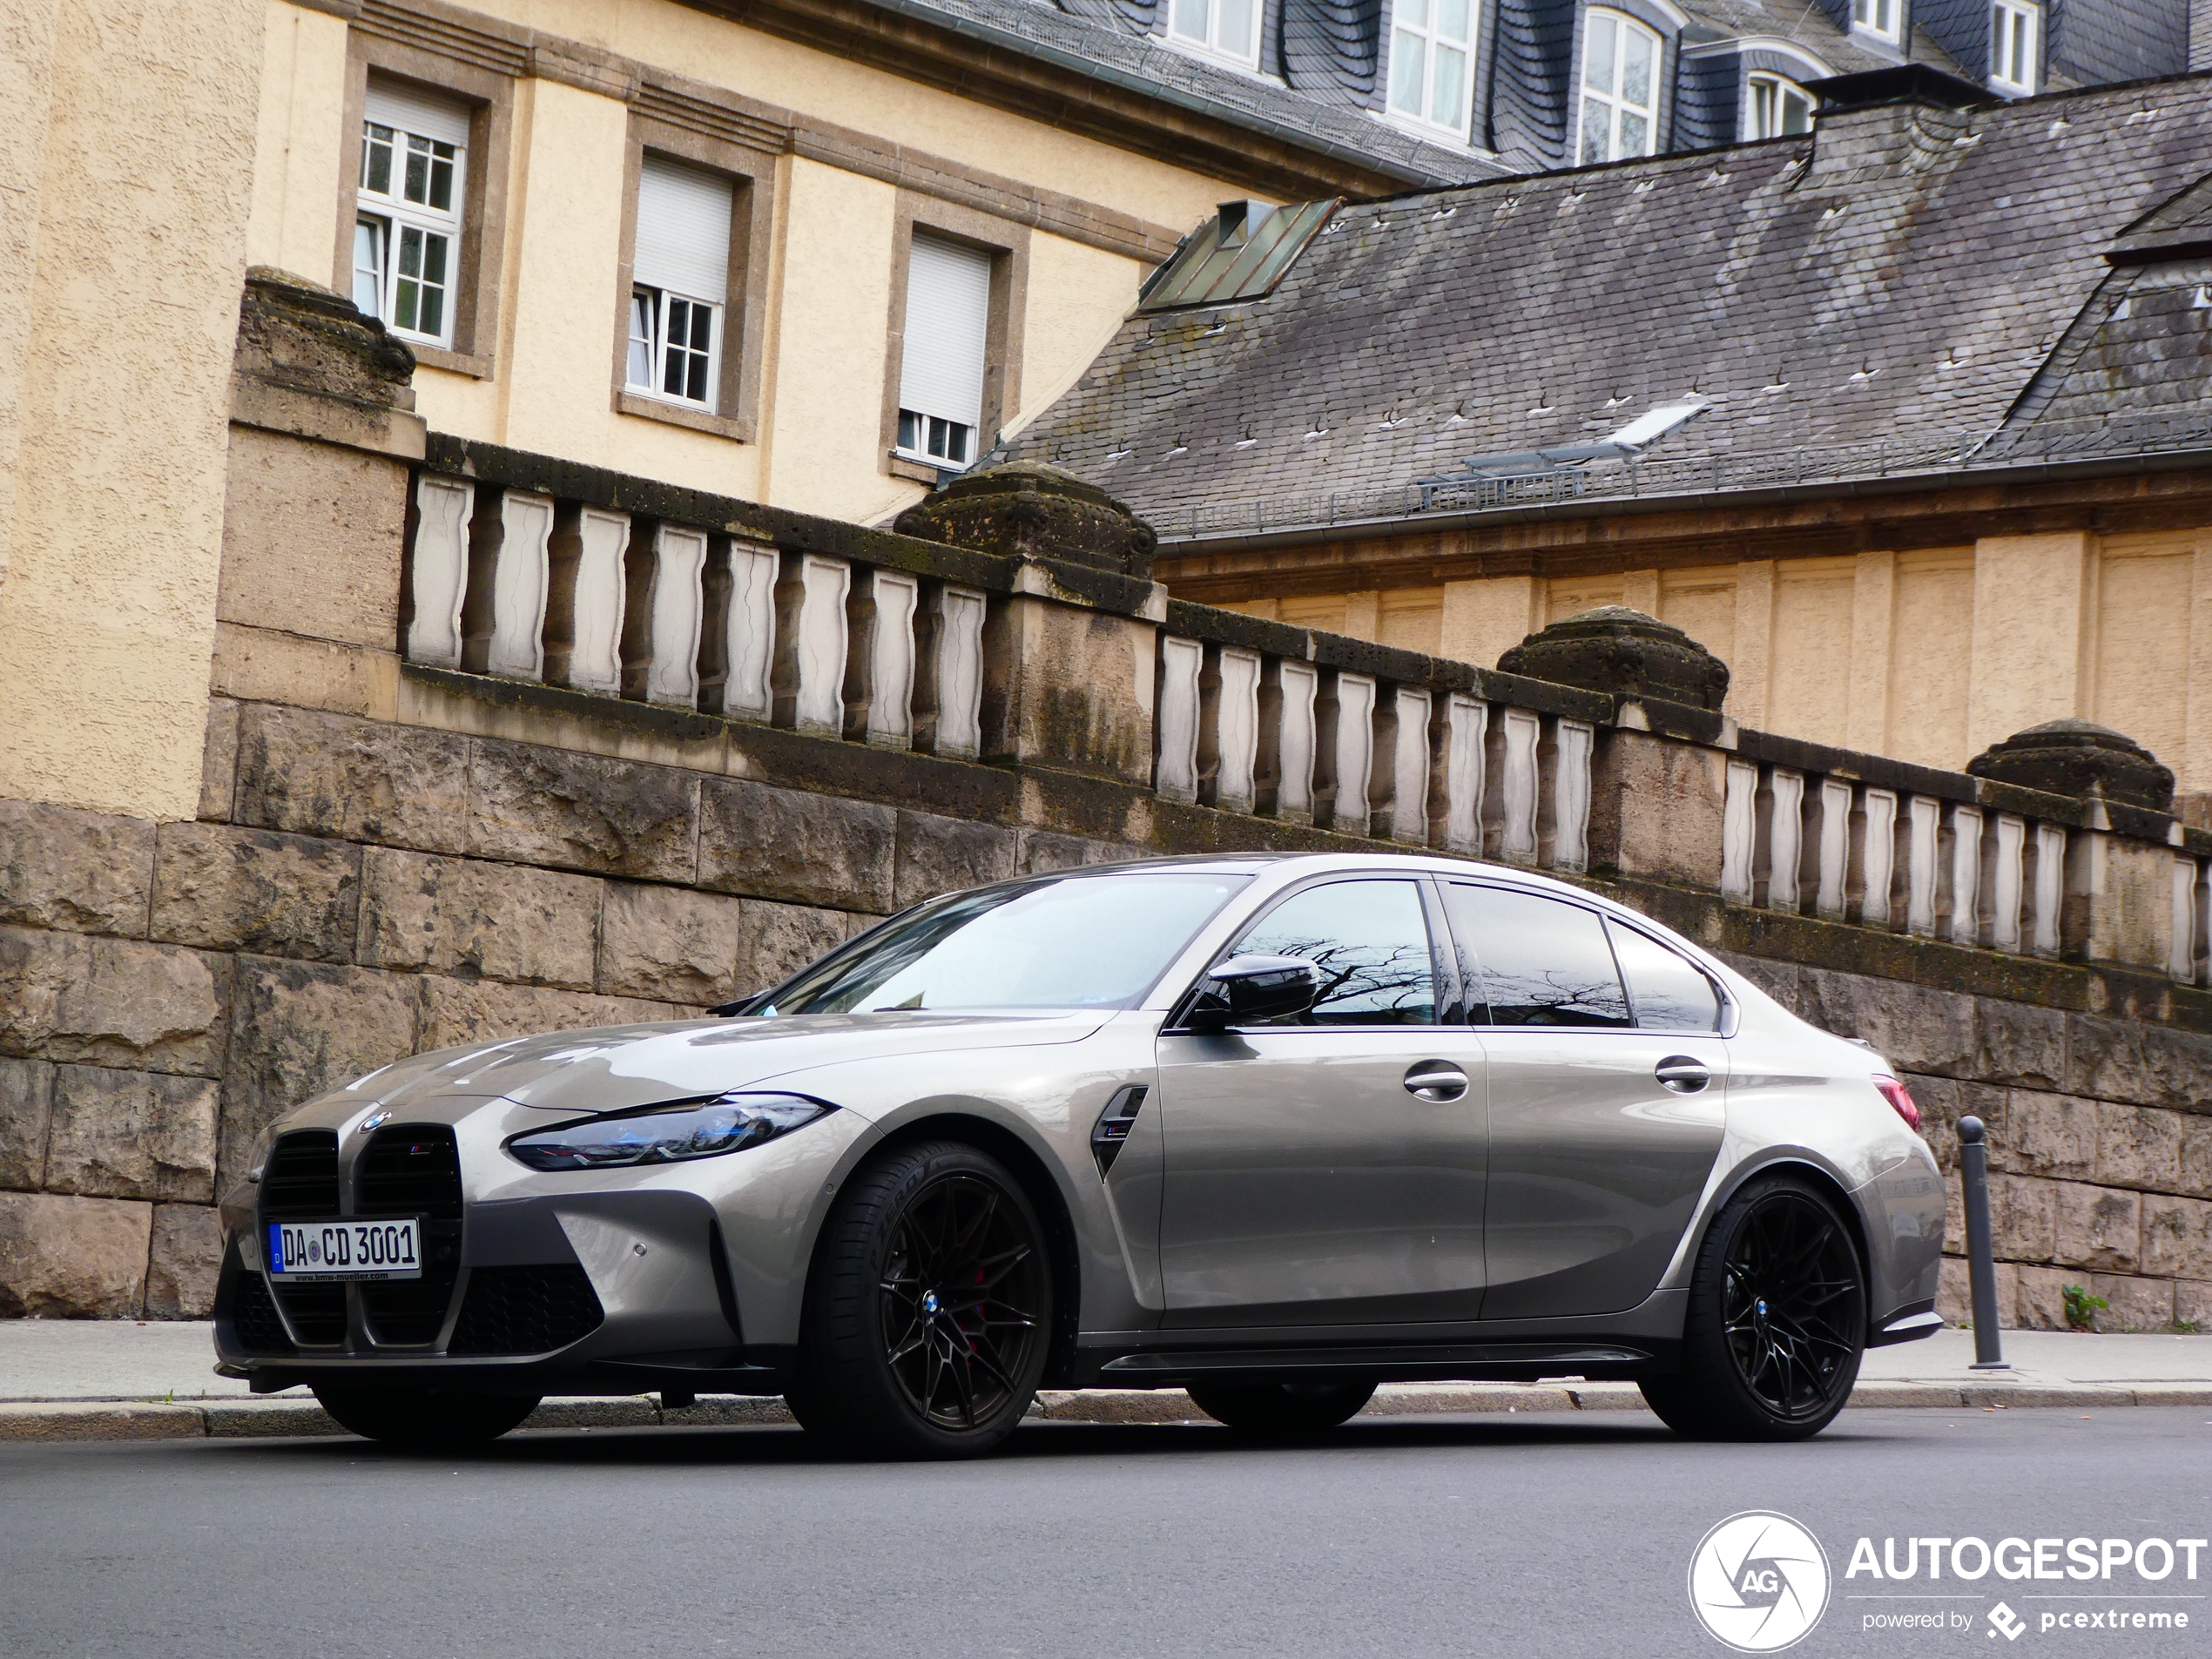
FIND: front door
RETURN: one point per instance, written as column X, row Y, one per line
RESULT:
column 1328, row 1169
column 1607, row 1080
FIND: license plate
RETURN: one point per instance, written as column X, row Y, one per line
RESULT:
column 314, row 1251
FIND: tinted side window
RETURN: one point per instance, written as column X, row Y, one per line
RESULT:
column 1669, row 994
column 1539, row 961
column 1369, row 939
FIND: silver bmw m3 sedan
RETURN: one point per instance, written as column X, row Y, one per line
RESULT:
column 1274, row 1129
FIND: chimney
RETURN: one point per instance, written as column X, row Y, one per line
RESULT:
column 1884, row 121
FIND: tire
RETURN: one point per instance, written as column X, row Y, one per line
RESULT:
column 1282, row 1410
column 1776, row 1321
column 424, row 1420
column 928, row 1310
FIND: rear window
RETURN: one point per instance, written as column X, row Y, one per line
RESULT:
column 1666, row 993
column 1537, row 961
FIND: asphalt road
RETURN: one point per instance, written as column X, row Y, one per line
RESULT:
column 1460, row 1536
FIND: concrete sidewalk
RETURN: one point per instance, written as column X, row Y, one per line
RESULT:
column 115, row 1379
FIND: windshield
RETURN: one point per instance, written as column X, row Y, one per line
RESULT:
column 1070, row 942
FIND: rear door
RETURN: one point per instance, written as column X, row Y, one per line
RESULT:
column 1329, row 1168
column 1606, row 1074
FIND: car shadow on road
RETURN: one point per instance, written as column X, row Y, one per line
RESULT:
column 775, row 1446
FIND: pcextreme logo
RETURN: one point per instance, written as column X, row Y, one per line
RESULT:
column 1759, row 1582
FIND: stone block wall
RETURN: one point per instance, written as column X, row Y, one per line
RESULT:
column 358, row 891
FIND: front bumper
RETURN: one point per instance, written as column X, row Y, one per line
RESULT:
column 614, row 1282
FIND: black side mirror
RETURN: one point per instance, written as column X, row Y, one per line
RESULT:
column 1246, row 990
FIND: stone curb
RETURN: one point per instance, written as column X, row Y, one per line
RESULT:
column 27, row 1420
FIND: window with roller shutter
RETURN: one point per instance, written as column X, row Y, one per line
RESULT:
column 680, row 284
column 411, row 193
column 940, row 372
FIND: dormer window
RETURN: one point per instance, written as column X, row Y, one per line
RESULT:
column 1620, row 78
column 1221, row 28
column 1778, row 107
column 1876, row 17
column 2012, row 48
column 1432, row 49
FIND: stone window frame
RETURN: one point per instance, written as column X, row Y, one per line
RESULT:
column 1007, row 244
column 490, row 96
column 752, row 174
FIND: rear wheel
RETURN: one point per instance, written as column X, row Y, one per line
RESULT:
column 424, row 1420
column 1285, row 1409
column 1776, row 1321
column 929, row 1309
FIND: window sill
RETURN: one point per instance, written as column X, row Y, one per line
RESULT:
column 653, row 408
column 921, row 472
column 1248, row 67
column 453, row 362
column 2007, row 89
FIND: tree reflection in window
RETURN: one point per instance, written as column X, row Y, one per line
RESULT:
column 1371, row 940
column 1539, row 961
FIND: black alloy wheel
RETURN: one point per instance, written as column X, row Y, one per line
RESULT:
column 1776, row 1321
column 423, row 1420
column 1282, row 1410
column 929, row 1308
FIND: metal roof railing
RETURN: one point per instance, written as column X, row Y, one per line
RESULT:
column 1716, row 473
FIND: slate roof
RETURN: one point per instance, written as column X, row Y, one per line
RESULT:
column 1901, row 279
column 1106, row 38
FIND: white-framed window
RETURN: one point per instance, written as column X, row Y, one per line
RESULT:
column 679, row 283
column 1226, row 28
column 1778, row 107
column 1875, row 17
column 2012, row 47
column 407, row 228
column 1620, row 89
column 947, row 335
column 1432, row 62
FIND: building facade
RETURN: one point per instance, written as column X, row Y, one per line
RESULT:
column 1907, row 420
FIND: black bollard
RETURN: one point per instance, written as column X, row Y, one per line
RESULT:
column 1981, row 1257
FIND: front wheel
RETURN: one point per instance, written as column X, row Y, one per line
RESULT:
column 928, row 1310
column 424, row 1420
column 1284, row 1410
column 1776, row 1321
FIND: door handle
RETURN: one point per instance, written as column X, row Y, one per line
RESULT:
column 1435, row 1080
column 1682, row 1074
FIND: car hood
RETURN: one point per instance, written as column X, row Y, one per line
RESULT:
column 616, row 1069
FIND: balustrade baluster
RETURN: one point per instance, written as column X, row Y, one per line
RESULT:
column 1465, row 719
column 438, row 569
column 1740, row 832
column 2004, row 880
column 2046, row 887
column 808, row 677
column 662, row 617
column 1175, row 717
column 1920, row 838
column 1564, row 781
column 1515, row 736
column 1782, row 827
column 1873, row 852
column 1409, row 769
column 1289, row 744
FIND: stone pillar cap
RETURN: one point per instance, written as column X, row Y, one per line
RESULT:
column 1625, row 653
column 2079, row 757
column 1026, row 509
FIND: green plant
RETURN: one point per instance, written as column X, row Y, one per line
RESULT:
column 2081, row 1307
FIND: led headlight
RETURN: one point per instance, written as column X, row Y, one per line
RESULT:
column 672, row 1134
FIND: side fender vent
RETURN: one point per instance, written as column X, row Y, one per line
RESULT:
column 1115, row 1124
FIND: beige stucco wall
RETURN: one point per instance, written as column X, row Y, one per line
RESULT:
column 116, row 341
column 819, row 445
column 1927, row 655
column 298, row 140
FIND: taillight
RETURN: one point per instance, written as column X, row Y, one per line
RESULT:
column 1901, row 1098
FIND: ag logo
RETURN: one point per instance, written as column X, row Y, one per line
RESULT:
column 1759, row 1582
